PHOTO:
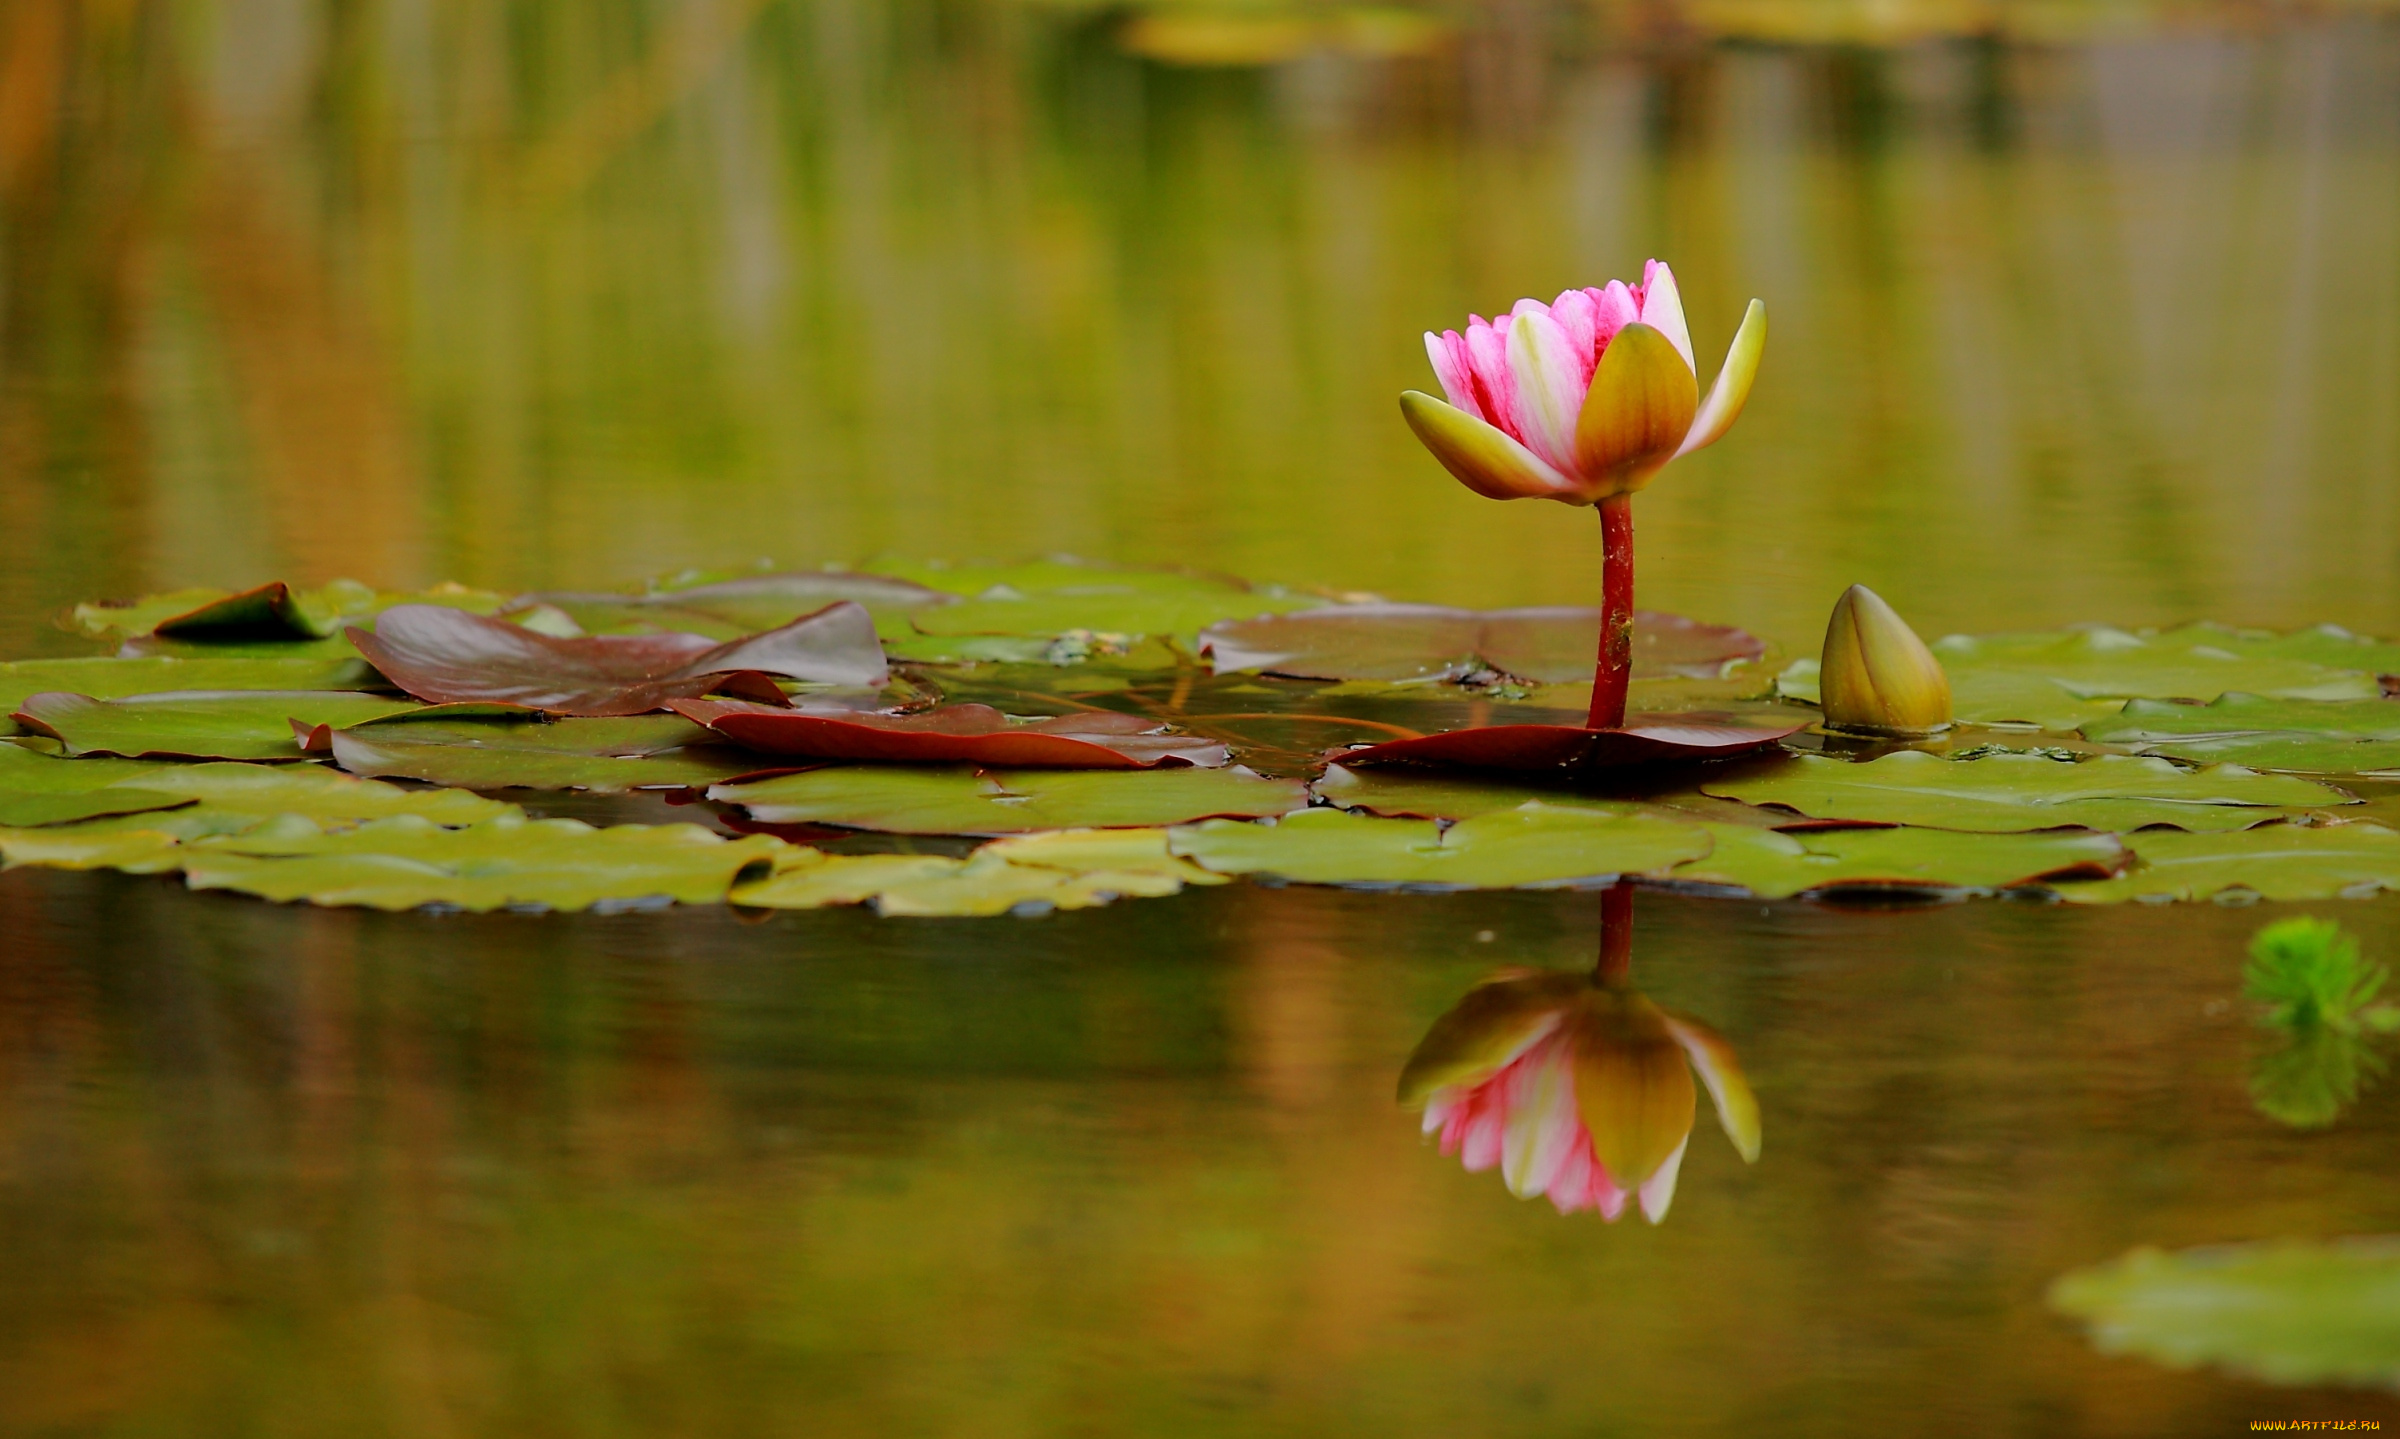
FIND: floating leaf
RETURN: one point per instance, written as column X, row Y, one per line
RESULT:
column 126, row 844
column 1420, row 642
column 1417, row 794
column 958, row 734
column 269, row 612
column 2062, row 680
column 2320, row 736
column 2276, row 861
column 28, row 811
column 204, row 724
column 2289, row 1311
column 1774, row 864
column 1533, row 845
column 1646, row 740
column 505, row 861
column 606, row 756
column 1052, row 597
column 2022, row 791
column 450, row 657
column 731, row 608
column 1072, row 869
column 912, row 800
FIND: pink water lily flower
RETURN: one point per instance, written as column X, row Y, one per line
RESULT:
column 1577, row 1089
column 1580, row 399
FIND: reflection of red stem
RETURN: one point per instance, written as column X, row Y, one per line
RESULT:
column 1613, row 669
column 1616, row 934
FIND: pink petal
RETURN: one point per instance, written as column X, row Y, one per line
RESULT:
column 1550, row 385
column 1578, row 315
column 1612, row 310
column 1543, row 1123
column 1448, row 351
column 1487, row 370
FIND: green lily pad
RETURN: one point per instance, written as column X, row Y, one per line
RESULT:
column 2276, row 861
column 2063, row 680
column 265, row 613
column 1534, row 845
column 1052, row 597
column 2288, row 1311
column 25, row 771
column 1387, row 642
column 129, row 844
column 606, row 756
column 2023, row 791
column 1773, row 864
column 2318, row 736
column 106, row 678
column 506, row 861
column 963, row 800
column 205, row 724
column 727, row 608
column 31, row 811
column 1071, row 869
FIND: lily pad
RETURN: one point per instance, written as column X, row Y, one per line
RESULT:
column 2276, row 861
column 1418, row 794
column 2061, row 680
column 2288, row 1311
column 911, row 800
column 268, row 612
column 506, row 861
column 958, row 734
column 1645, row 740
column 450, row 657
column 2005, row 792
column 203, row 724
column 32, row 811
column 104, row 678
column 605, row 756
column 1062, row 870
column 726, row 609
column 1392, row 642
column 1534, row 845
column 1774, row 864
column 1053, row 597
column 2318, row 736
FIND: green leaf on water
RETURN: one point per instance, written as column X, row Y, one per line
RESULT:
column 2001, row 792
column 2287, row 1311
column 505, row 861
column 606, row 756
column 264, row 613
column 206, row 724
column 2063, row 680
column 2318, row 736
column 30, row 811
column 1772, row 864
column 1049, row 598
column 2276, row 861
column 729, row 607
column 1388, row 642
column 1535, row 845
column 907, row 799
column 108, row 678
column 1070, row 869
column 1435, row 794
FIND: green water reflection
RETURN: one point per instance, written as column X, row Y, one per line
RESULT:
column 2090, row 315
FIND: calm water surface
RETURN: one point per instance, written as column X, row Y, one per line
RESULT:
column 2094, row 322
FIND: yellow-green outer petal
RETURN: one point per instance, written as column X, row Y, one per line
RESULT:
column 1637, row 414
column 1876, row 675
column 1732, row 389
column 1490, row 1026
column 1483, row 457
column 1728, row 1087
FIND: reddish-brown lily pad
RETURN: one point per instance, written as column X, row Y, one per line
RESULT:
column 1650, row 740
column 445, row 656
column 1416, row 642
column 957, row 734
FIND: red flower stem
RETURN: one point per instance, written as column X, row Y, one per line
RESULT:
column 1616, row 934
column 1612, row 671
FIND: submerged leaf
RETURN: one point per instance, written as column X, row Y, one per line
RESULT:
column 1644, row 740
column 2276, row 861
column 2318, row 736
column 2004, row 792
column 958, row 734
column 505, row 861
column 1533, row 845
column 1420, row 642
column 606, row 756
column 914, row 800
column 1775, row 864
column 449, row 657
column 2289, row 1311
column 222, row 724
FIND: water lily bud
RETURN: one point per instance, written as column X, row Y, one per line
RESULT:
column 1877, row 676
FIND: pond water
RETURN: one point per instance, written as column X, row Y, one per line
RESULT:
column 2093, row 320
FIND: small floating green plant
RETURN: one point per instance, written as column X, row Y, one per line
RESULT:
column 2320, row 993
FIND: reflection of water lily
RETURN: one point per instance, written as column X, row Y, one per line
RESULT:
column 1576, row 1089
